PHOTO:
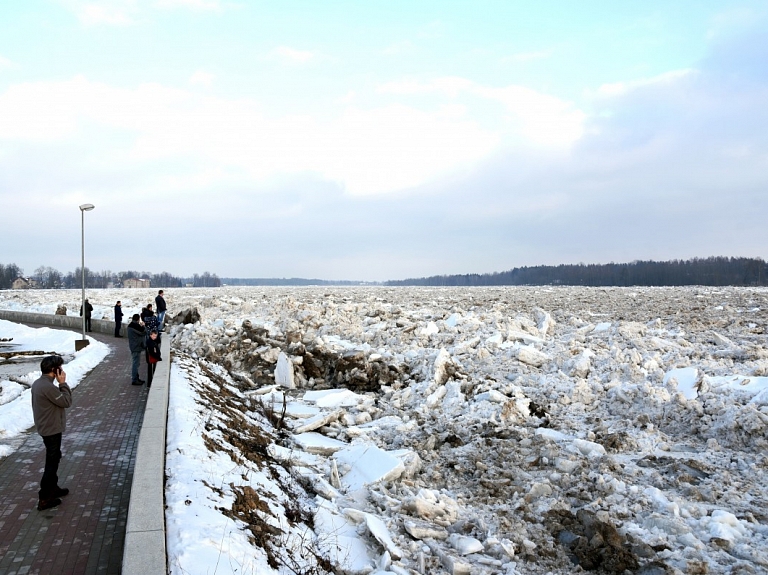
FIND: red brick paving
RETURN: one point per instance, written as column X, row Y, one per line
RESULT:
column 84, row 534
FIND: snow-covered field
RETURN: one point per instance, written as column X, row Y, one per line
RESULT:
column 497, row 430
column 20, row 367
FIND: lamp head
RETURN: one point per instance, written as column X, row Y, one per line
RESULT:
column 86, row 207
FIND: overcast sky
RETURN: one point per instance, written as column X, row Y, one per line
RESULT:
column 380, row 139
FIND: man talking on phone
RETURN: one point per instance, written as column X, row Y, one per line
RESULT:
column 51, row 396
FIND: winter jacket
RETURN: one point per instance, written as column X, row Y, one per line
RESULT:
column 153, row 349
column 160, row 303
column 49, row 404
column 135, row 336
column 88, row 309
column 150, row 323
column 118, row 314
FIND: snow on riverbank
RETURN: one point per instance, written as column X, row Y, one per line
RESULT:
column 496, row 430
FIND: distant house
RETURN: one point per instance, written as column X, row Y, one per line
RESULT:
column 135, row 283
column 23, row 283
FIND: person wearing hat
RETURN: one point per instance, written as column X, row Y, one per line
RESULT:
column 51, row 396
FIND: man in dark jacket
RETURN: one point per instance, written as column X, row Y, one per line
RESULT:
column 136, row 343
column 160, row 305
column 49, row 402
column 88, row 310
column 118, row 318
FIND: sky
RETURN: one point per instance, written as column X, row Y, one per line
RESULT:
column 382, row 139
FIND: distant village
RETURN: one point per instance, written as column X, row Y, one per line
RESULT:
column 13, row 277
column 32, row 283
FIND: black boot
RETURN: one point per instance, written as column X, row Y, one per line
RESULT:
column 43, row 504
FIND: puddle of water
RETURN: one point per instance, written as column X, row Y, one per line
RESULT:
column 20, row 368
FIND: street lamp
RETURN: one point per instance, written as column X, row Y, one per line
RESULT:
column 84, row 208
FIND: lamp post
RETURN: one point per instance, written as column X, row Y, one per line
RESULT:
column 80, row 344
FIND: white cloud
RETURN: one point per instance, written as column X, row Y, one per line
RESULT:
column 622, row 88
column 292, row 55
column 732, row 21
column 432, row 30
column 397, row 147
column 5, row 63
column 365, row 149
column 192, row 4
column 528, row 56
column 368, row 151
column 541, row 119
column 449, row 86
column 399, row 47
column 544, row 120
column 201, row 77
column 115, row 13
column 126, row 12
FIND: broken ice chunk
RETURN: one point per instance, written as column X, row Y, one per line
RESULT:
column 424, row 529
column 334, row 398
column 531, row 356
column 368, row 464
column 284, row 371
column 377, row 528
column 338, row 538
column 465, row 545
column 318, row 421
column 317, row 443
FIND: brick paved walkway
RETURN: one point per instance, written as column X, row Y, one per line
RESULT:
column 85, row 534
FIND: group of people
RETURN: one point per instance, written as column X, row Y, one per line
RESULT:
column 144, row 335
column 51, row 395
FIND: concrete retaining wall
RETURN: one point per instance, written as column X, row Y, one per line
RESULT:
column 73, row 322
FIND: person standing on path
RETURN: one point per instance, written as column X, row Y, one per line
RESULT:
column 153, row 355
column 118, row 318
column 136, row 335
column 160, row 305
column 88, row 310
column 51, row 396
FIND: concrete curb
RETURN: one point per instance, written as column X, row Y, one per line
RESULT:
column 144, row 550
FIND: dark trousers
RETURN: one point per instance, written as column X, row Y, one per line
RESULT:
column 150, row 372
column 87, row 323
column 50, row 481
column 135, row 361
column 118, row 325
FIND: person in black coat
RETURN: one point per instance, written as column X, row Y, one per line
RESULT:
column 161, row 309
column 153, row 355
column 118, row 318
column 88, row 310
column 136, row 336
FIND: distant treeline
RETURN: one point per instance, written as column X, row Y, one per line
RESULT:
column 288, row 282
column 49, row 278
column 712, row 271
